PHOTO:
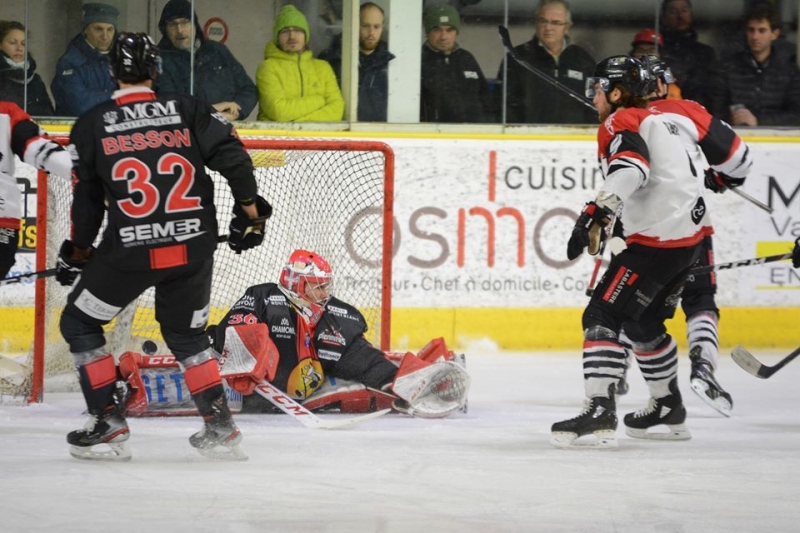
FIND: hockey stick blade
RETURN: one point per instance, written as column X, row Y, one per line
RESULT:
column 30, row 275
column 279, row 399
column 506, row 38
column 751, row 365
column 752, row 200
column 741, row 263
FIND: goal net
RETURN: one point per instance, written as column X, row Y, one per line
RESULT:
column 332, row 197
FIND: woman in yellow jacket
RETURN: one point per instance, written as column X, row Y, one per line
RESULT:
column 292, row 85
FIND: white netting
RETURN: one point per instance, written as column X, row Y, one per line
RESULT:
column 327, row 196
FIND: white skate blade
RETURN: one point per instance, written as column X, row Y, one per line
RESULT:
column 223, row 453
column 599, row 440
column 118, row 451
column 676, row 432
column 720, row 404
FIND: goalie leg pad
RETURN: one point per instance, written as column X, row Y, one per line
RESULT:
column 129, row 364
column 431, row 390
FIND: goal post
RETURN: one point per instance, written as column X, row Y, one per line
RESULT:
column 334, row 197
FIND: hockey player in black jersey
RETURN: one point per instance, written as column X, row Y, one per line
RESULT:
column 654, row 185
column 141, row 161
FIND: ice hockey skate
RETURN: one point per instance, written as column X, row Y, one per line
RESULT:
column 108, row 428
column 668, row 411
column 706, row 386
column 597, row 422
column 219, row 438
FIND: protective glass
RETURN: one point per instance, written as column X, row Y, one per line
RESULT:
column 592, row 83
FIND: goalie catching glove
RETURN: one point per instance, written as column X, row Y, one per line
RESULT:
column 719, row 182
column 588, row 230
column 67, row 267
column 246, row 232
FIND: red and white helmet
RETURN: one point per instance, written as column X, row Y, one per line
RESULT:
column 305, row 268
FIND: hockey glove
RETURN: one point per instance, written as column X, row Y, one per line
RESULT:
column 246, row 232
column 67, row 268
column 719, row 182
column 588, row 230
column 796, row 253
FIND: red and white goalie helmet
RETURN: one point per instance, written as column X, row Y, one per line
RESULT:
column 307, row 277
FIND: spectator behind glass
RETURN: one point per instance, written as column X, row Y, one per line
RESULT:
column 693, row 63
column 762, row 83
column 219, row 78
column 373, row 64
column 292, row 85
column 454, row 88
column 18, row 68
column 82, row 77
column 648, row 43
column 531, row 100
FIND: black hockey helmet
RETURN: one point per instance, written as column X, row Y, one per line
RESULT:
column 658, row 68
column 134, row 58
column 625, row 71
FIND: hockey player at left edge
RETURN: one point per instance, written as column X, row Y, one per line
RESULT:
column 21, row 136
column 141, row 161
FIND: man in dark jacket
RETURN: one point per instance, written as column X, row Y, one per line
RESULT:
column 454, row 88
column 373, row 64
column 82, row 77
column 762, row 83
column 219, row 78
column 531, row 100
column 693, row 63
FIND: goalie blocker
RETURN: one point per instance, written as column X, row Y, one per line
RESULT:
column 430, row 384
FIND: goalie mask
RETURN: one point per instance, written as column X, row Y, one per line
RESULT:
column 307, row 280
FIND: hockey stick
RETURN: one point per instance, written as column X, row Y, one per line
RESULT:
column 741, row 263
column 506, row 38
column 753, row 201
column 32, row 275
column 286, row 404
column 50, row 272
column 749, row 363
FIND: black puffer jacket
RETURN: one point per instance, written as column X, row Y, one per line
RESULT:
column 695, row 67
column 771, row 91
column 454, row 88
column 12, row 87
column 373, row 78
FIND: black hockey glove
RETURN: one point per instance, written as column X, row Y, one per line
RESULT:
column 796, row 253
column 246, row 232
column 588, row 230
column 719, row 182
column 67, row 268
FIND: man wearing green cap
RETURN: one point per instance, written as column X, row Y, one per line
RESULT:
column 454, row 88
column 292, row 85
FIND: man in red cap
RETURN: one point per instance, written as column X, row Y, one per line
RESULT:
column 646, row 43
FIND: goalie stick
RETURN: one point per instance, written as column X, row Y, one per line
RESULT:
column 279, row 399
column 749, row 363
column 741, row 263
column 506, row 38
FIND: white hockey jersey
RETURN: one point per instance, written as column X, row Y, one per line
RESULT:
column 21, row 136
column 645, row 163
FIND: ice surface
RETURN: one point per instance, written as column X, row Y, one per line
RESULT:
column 491, row 470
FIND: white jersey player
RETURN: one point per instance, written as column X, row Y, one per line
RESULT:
column 652, row 181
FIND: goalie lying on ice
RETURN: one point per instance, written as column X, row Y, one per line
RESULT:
column 311, row 345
